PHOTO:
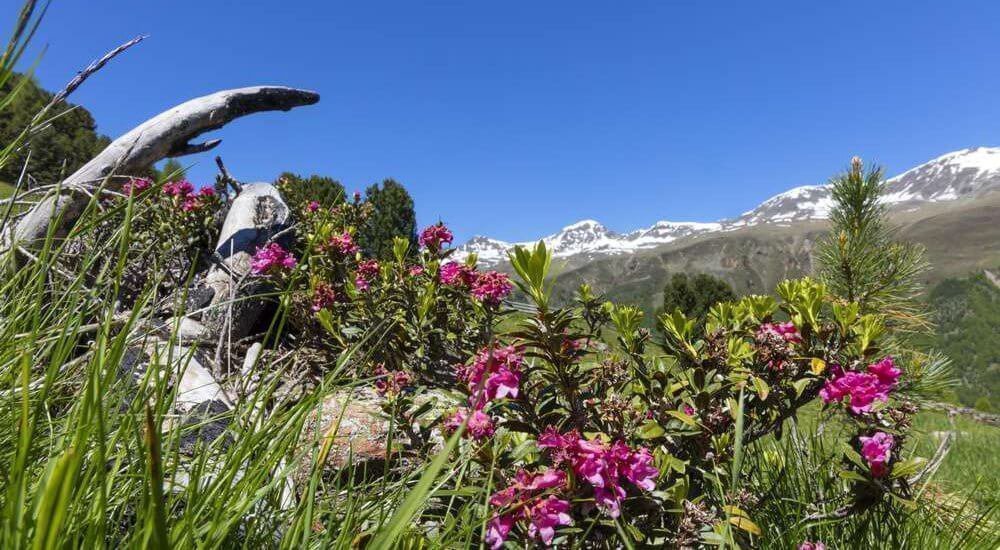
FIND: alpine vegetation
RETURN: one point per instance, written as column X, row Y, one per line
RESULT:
column 248, row 364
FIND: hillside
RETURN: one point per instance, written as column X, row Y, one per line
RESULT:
column 961, row 236
column 967, row 314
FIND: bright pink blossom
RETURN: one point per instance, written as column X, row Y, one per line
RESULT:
column 323, row 297
column 134, row 186
column 500, row 366
column 194, row 202
column 498, row 530
column 886, row 371
column 639, row 470
column 545, row 515
column 809, row 545
column 877, row 450
column 861, row 388
column 391, row 382
column 180, row 188
column 270, row 259
column 455, row 274
column 313, row 206
column 604, row 466
column 480, row 424
column 433, row 236
column 416, row 270
column 366, row 272
column 491, row 287
column 787, row 331
column 526, row 494
column 343, row 244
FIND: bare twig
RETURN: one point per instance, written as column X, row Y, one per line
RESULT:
column 227, row 177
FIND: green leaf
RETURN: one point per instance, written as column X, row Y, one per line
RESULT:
column 687, row 419
column 745, row 524
column 650, row 430
column 761, row 387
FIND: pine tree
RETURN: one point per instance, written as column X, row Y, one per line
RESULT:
column 695, row 295
column 298, row 192
column 860, row 260
column 172, row 170
column 392, row 216
column 66, row 143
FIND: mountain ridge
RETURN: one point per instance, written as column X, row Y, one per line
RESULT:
column 963, row 173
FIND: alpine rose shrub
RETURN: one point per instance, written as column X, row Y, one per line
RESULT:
column 576, row 436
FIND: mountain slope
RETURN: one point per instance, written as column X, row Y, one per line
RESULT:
column 960, row 236
column 967, row 318
column 960, row 174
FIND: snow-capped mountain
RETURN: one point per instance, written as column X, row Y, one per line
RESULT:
column 964, row 173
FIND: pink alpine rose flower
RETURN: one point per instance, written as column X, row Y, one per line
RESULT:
column 480, row 424
column 876, row 450
column 455, row 274
column 545, row 515
column 433, row 236
column 491, row 287
column 366, row 272
column 886, row 371
column 134, row 186
column 501, row 368
column 786, row 331
column 179, row 188
column 809, row 545
column 498, row 530
column 639, row 470
column 605, row 467
column 271, row 259
column 861, row 388
column 323, row 297
column 313, row 206
column 343, row 244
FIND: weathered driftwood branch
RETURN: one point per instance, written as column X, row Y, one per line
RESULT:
column 257, row 215
column 167, row 134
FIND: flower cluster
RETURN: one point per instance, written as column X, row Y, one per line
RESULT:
column 324, row 296
column 367, row 271
column 480, row 424
column 876, row 450
column 501, row 368
column 862, row 388
column 525, row 500
column 134, row 186
column 786, row 331
column 342, row 244
column 271, row 259
column 495, row 373
column 456, row 274
column 604, row 466
column 810, row 545
column 491, row 287
column 391, row 383
column 433, row 236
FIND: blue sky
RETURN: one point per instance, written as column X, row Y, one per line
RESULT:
column 513, row 119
